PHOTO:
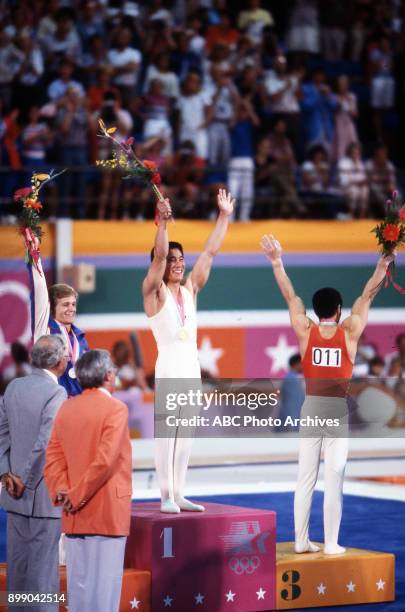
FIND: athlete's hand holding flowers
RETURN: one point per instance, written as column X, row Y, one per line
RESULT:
column 164, row 210
column 390, row 234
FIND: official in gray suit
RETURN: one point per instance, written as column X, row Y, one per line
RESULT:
column 27, row 413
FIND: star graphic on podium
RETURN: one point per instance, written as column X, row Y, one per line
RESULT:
column 380, row 585
column 230, row 596
column 199, row 599
column 260, row 593
column 280, row 354
column 321, row 589
column 168, row 601
column 351, row 587
column 208, row 356
column 135, row 604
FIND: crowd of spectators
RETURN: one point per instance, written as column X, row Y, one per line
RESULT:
column 297, row 107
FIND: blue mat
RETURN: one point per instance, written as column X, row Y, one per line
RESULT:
column 369, row 523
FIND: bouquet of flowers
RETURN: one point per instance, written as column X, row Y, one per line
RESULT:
column 28, row 220
column 124, row 158
column 390, row 234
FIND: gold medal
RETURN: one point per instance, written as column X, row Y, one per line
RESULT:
column 183, row 333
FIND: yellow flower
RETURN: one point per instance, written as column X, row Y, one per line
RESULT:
column 41, row 177
column 111, row 130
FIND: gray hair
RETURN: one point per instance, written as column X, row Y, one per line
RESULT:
column 92, row 368
column 48, row 351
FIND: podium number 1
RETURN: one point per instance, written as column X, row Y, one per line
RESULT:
column 167, row 535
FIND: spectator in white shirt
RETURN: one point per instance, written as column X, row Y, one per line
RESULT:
column 283, row 90
column 253, row 19
column 382, row 180
column 35, row 138
column 345, row 116
column 113, row 116
column 126, row 62
column 64, row 42
column 28, row 77
column 353, row 179
column 224, row 100
column 160, row 70
column 316, row 170
column 47, row 23
column 193, row 113
column 10, row 62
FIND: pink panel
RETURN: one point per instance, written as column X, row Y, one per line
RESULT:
column 223, row 559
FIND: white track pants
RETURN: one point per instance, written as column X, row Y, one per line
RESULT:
column 171, row 460
column 173, row 442
column 335, row 457
column 335, row 443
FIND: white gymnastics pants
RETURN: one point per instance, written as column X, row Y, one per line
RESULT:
column 335, row 457
column 171, row 460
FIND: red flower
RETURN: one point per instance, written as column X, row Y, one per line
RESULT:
column 149, row 165
column 156, row 179
column 402, row 215
column 130, row 141
column 33, row 204
column 391, row 232
column 22, row 193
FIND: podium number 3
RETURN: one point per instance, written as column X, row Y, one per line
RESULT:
column 294, row 591
column 167, row 536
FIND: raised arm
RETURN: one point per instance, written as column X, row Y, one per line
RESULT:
column 357, row 321
column 202, row 267
column 298, row 317
column 40, row 308
column 153, row 280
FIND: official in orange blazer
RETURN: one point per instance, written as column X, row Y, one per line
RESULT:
column 89, row 471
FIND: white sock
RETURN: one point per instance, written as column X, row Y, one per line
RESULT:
column 334, row 549
column 170, row 507
column 307, row 547
column 186, row 504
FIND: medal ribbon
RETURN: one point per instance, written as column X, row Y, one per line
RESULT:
column 180, row 309
column 74, row 351
column 180, row 306
column 389, row 278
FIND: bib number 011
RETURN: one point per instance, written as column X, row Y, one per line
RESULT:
column 326, row 357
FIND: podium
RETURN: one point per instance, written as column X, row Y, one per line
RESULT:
column 220, row 560
column 315, row 580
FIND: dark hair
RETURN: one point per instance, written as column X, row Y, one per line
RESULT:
column 108, row 114
column 350, row 147
column 326, row 302
column 172, row 245
column 399, row 339
column 19, row 353
column 376, row 361
column 294, row 360
column 318, row 148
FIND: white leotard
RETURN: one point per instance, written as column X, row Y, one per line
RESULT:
column 177, row 358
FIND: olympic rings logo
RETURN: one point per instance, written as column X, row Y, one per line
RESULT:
column 244, row 565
